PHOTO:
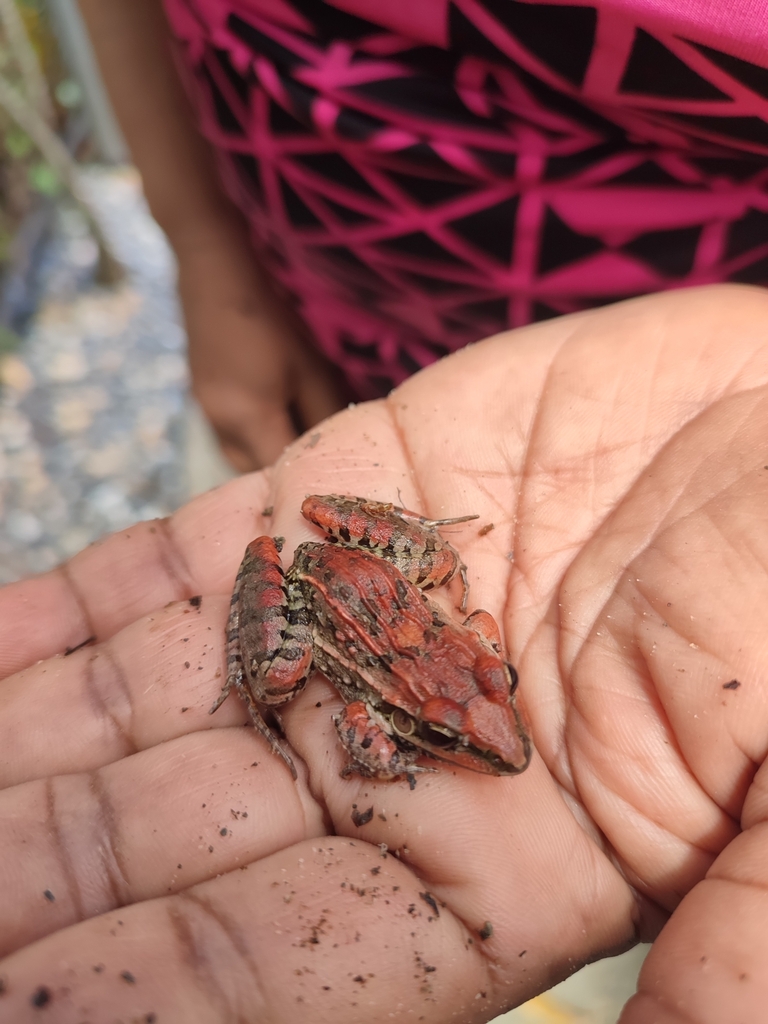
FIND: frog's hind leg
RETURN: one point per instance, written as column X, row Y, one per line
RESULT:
column 234, row 657
column 236, row 674
column 460, row 567
column 261, row 726
column 236, row 679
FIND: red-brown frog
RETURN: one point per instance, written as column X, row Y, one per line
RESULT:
column 414, row 682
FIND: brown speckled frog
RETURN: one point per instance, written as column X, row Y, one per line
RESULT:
column 414, row 682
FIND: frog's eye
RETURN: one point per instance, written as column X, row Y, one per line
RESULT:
column 402, row 723
column 513, row 678
column 437, row 736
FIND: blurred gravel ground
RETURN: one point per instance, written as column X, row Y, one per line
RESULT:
column 92, row 404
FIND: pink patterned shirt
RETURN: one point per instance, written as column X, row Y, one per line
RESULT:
column 419, row 174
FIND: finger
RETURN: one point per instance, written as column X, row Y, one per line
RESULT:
column 113, row 582
column 152, row 682
column 366, row 943
column 151, row 824
column 675, row 729
column 710, row 963
column 234, row 949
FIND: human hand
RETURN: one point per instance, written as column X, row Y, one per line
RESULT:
column 620, row 456
column 256, row 376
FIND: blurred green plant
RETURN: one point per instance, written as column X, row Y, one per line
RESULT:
column 9, row 341
column 44, row 179
column 17, row 143
column 68, row 94
column 34, row 160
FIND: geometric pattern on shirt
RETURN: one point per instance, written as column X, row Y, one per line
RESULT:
column 414, row 198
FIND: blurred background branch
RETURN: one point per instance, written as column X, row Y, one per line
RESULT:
column 20, row 45
column 37, row 159
column 77, row 53
column 65, row 170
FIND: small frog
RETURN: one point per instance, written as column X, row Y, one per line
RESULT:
column 414, row 682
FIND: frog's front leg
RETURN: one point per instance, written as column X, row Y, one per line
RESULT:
column 374, row 754
column 484, row 624
column 269, row 646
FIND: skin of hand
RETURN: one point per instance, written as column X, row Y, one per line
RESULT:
column 161, row 865
column 253, row 371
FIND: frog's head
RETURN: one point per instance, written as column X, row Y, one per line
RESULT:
column 484, row 736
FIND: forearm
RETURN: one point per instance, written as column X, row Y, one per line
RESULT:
column 253, row 368
column 132, row 45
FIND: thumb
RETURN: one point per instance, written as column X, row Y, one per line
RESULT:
column 710, row 962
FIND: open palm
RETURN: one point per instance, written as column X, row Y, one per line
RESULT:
column 157, row 864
